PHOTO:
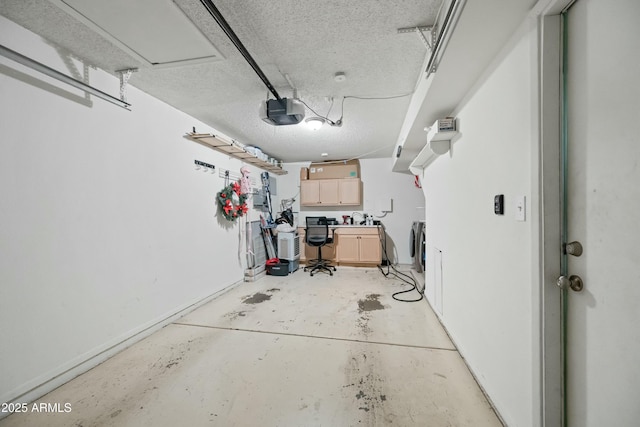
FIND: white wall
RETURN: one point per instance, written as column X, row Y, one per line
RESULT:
column 106, row 228
column 486, row 262
column 379, row 183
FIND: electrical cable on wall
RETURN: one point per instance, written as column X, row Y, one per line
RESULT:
column 397, row 274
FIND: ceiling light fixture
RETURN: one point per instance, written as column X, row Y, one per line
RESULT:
column 315, row 123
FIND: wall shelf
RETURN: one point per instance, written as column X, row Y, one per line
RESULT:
column 234, row 150
column 426, row 156
column 422, row 160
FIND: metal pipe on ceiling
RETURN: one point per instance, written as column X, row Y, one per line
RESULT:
column 215, row 13
column 450, row 20
column 35, row 65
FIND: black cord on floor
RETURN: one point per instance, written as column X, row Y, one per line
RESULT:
column 397, row 274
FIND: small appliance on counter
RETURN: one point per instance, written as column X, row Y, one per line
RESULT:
column 346, row 220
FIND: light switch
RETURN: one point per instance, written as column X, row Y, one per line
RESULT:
column 521, row 208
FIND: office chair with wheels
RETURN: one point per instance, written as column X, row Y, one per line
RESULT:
column 317, row 234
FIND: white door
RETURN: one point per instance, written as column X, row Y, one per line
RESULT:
column 603, row 212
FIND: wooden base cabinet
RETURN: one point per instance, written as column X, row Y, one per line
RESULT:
column 358, row 245
column 311, row 252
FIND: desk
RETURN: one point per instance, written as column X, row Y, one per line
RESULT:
column 355, row 245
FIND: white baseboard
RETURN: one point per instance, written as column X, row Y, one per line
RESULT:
column 49, row 381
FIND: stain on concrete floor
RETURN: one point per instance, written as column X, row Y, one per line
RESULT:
column 363, row 325
column 370, row 303
column 235, row 314
column 362, row 377
column 256, row 298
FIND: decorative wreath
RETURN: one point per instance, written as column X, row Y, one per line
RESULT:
column 232, row 202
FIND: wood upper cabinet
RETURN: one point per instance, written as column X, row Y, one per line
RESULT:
column 331, row 192
column 309, row 192
column 350, row 191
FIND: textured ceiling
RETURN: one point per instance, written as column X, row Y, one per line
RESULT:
column 307, row 40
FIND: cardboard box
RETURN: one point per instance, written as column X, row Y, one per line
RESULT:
column 331, row 170
column 304, row 174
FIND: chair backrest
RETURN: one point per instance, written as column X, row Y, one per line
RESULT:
column 317, row 231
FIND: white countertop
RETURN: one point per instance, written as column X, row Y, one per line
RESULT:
column 348, row 226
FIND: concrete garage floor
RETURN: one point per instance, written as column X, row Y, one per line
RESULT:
column 284, row 351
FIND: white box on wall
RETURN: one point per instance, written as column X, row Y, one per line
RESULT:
column 384, row 205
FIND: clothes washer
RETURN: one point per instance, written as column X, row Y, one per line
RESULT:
column 417, row 245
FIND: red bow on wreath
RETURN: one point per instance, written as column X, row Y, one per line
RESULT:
column 232, row 207
column 227, row 207
column 236, row 187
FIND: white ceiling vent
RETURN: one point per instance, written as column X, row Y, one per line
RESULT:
column 155, row 32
